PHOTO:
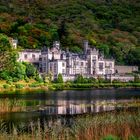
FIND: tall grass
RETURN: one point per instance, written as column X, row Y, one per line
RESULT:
column 107, row 126
column 7, row 105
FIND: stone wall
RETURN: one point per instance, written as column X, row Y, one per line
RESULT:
column 125, row 69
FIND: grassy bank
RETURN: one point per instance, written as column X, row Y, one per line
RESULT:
column 32, row 84
column 21, row 85
column 67, row 86
column 123, row 125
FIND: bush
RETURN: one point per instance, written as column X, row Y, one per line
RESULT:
column 58, row 86
column 59, row 78
column 26, row 79
column 15, row 79
column 36, row 84
column 6, row 86
column 31, row 71
column 39, row 79
column 19, row 86
column 79, row 79
column 9, row 81
column 4, row 75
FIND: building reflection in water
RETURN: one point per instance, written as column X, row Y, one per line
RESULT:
column 63, row 107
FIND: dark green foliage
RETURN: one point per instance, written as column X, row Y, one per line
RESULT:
column 80, row 79
column 20, row 71
column 6, row 86
column 39, row 79
column 31, row 71
column 59, row 78
column 110, row 25
column 19, row 86
column 8, row 56
column 4, row 75
column 36, row 84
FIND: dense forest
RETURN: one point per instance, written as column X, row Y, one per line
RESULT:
column 113, row 26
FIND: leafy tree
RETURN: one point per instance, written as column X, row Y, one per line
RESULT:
column 59, row 78
column 19, row 71
column 79, row 79
column 31, row 71
column 106, row 21
column 133, row 57
column 5, row 75
column 76, row 49
column 8, row 55
column 104, row 48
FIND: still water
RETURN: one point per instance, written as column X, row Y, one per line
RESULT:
column 43, row 105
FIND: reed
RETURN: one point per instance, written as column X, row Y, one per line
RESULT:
column 7, row 105
column 123, row 125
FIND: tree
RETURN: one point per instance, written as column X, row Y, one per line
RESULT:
column 104, row 49
column 59, row 78
column 19, row 71
column 79, row 79
column 31, row 71
column 8, row 55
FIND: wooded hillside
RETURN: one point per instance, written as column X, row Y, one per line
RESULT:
column 113, row 26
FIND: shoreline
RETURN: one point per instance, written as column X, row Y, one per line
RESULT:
column 68, row 86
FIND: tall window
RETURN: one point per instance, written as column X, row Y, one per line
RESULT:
column 33, row 56
column 25, row 56
column 55, row 68
column 110, row 64
column 63, row 71
column 63, row 64
column 100, row 66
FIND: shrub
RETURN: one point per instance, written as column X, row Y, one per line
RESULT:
column 26, row 79
column 4, row 75
column 59, row 78
column 79, row 79
column 58, row 86
column 9, row 81
column 15, row 79
column 39, row 79
column 19, row 86
column 35, row 84
column 6, row 86
column 30, row 70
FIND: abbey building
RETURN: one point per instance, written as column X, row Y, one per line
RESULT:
column 90, row 63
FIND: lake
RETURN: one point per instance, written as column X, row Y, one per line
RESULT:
column 61, row 106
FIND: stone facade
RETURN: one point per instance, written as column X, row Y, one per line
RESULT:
column 90, row 63
column 125, row 69
column 31, row 56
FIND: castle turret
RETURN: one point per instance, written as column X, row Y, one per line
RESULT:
column 85, row 43
column 56, row 44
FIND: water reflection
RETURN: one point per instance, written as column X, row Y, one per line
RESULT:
column 62, row 105
column 71, row 107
